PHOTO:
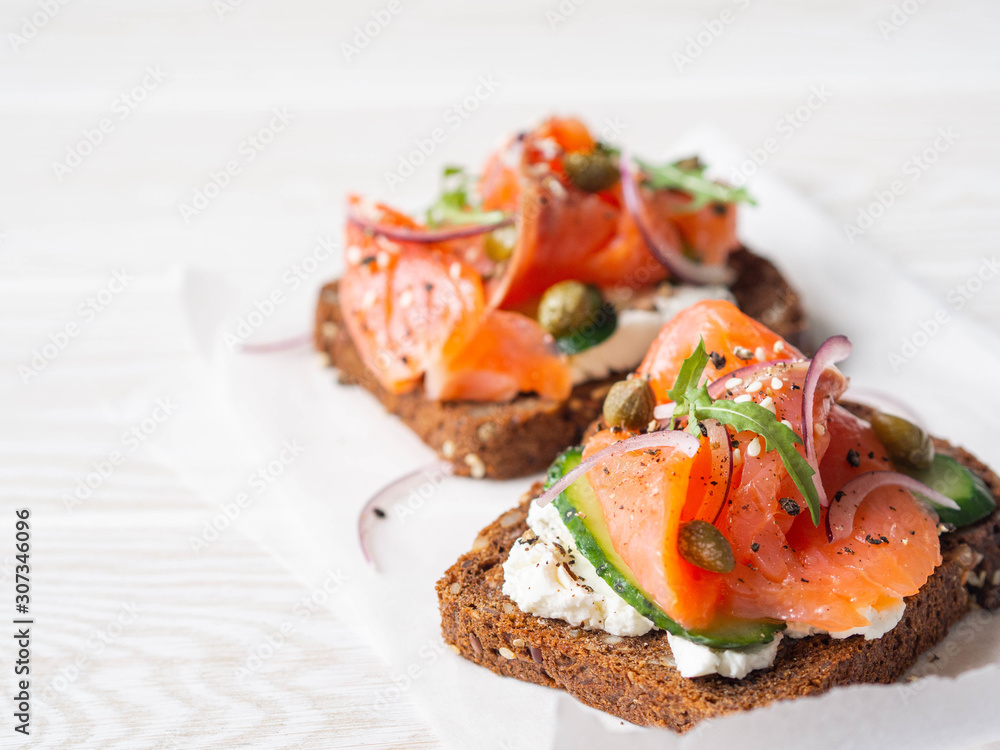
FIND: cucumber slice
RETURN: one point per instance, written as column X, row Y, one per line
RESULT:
column 590, row 334
column 581, row 512
column 950, row 478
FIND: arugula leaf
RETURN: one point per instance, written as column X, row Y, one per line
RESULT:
column 455, row 206
column 686, row 393
column 694, row 402
column 777, row 436
column 689, row 176
column 690, row 373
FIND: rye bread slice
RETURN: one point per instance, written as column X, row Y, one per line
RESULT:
column 634, row 678
column 522, row 437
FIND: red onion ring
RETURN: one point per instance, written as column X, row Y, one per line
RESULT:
column 722, row 463
column 883, row 402
column 840, row 517
column 390, row 495
column 682, row 441
column 681, row 267
column 280, row 345
column 834, row 349
column 426, row 236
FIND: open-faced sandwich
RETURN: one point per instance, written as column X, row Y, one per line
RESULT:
column 730, row 533
column 495, row 327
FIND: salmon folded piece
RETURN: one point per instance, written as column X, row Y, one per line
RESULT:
column 787, row 568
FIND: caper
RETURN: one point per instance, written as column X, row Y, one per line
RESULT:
column 499, row 244
column 704, row 546
column 591, row 171
column 690, row 164
column 629, row 404
column 568, row 306
column 904, row 441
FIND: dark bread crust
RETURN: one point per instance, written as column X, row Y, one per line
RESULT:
column 633, row 678
column 522, row 437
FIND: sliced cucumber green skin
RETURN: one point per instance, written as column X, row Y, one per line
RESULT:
column 590, row 335
column 950, row 478
column 581, row 512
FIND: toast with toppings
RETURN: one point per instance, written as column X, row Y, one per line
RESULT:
column 501, row 440
column 635, row 678
column 729, row 534
column 492, row 328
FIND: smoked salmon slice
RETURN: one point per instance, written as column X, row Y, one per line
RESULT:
column 509, row 354
column 786, row 567
column 407, row 306
column 737, row 339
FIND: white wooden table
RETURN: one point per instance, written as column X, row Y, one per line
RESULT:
column 139, row 640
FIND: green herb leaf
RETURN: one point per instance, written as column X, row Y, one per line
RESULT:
column 455, row 206
column 777, row 436
column 686, row 386
column 692, row 400
column 689, row 176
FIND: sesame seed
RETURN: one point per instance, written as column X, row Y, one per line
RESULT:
column 753, row 448
column 406, row 298
column 777, row 384
column 368, row 300
column 768, row 403
column 820, row 429
column 456, row 270
column 779, row 346
column 760, row 354
column 477, row 469
column 754, row 386
column 743, row 398
column 382, row 258
column 737, row 457
column 556, row 188
column 787, row 424
column 354, row 255
column 733, row 382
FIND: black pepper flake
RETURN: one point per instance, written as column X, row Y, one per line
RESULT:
column 871, row 454
column 804, row 580
column 912, row 533
column 876, row 540
column 789, row 506
column 848, row 550
column 853, row 458
column 734, row 443
column 368, row 260
column 718, row 360
column 752, row 567
column 703, row 429
column 795, row 387
column 378, row 512
column 839, row 496
column 606, row 471
column 754, row 547
column 719, row 209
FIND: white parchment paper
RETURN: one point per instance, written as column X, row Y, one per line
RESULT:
column 351, row 448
